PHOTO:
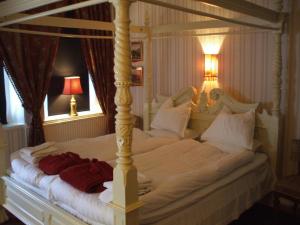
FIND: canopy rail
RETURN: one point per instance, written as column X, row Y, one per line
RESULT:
column 54, row 21
column 53, row 11
column 246, row 7
column 252, row 31
column 54, row 34
column 154, row 36
column 201, row 13
column 209, row 24
column 64, row 35
column 15, row 6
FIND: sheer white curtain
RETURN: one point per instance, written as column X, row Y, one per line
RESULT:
column 14, row 108
column 94, row 103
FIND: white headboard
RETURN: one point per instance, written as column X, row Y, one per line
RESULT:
column 266, row 127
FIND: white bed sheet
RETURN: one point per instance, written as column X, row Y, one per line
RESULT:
column 163, row 165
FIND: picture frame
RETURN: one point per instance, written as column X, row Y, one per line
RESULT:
column 137, row 51
column 137, row 77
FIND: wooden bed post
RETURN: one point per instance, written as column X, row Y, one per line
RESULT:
column 148, row 78
column 277, row 66
column 3, row 152
column 125, row 200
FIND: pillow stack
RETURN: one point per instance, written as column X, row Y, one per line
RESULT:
column 172, row 118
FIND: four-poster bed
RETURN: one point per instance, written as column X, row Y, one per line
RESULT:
column 33, row 209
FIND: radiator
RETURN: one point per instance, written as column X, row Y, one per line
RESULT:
column 80, row 127
column 15, row 136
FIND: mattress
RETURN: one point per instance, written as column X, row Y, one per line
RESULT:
column 183, row 173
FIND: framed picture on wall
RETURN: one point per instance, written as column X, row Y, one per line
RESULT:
column 137, row 51
column 137, row 78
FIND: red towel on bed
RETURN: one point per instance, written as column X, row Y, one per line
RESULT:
column 54, row 164
column 88, row 177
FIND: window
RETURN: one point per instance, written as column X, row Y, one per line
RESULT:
column 69, row 62
column 93, row 103
column 15, row 111
column 14, row 108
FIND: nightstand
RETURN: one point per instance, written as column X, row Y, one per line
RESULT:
column 288, row 188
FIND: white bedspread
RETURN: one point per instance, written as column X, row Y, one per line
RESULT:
column 183, row 167
column 176, row 170
column 105, row 147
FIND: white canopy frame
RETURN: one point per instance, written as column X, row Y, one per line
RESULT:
column 125, row 202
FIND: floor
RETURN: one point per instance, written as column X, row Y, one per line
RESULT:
column 258, row 215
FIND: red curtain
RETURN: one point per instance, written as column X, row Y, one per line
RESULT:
column 29, row 61
column 99, row 57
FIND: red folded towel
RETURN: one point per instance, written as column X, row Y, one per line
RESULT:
column 88, row 177
column 54, row 164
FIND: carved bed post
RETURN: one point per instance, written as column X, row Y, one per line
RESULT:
column 125, row 201
column 148, row 78
column 3, row 152
column 277, row 81
column 277, row 66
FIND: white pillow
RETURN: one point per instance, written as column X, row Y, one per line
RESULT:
column 172, row 118
column 188, row 133
column 233, row 129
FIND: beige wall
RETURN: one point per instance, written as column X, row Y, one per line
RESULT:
column 245, row 60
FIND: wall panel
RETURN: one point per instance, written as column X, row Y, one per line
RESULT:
column 245, row 59
column 91, row 126
column 245, row 62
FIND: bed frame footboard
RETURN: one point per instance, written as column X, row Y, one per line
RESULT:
column 33, row 209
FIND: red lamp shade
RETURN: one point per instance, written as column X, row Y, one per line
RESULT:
column 72, row 86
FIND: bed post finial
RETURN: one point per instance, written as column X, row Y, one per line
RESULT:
column 125, row 199
column 148, row 78
column 3, row 152
column 278, row 64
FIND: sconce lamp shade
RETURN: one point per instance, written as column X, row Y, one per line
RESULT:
column 72, row 86
column 211, row 67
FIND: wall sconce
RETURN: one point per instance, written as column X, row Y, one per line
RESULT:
column 72, row 87
column 210, row 77
column 211, row 67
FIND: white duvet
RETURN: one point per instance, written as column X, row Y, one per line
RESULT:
column 105, row 147
column 176, row 170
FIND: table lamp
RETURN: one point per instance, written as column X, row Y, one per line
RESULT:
column 72, row 87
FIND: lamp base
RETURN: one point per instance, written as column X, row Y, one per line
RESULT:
column 73, row 107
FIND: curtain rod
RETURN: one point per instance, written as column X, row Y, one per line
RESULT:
column 200, row 13
column 53, row 11
column 53, row 34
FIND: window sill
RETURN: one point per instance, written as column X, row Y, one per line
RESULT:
column 12, row 125
column 64, row 118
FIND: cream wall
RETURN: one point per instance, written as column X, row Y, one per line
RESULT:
column 245, row 63
column 245, row 60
